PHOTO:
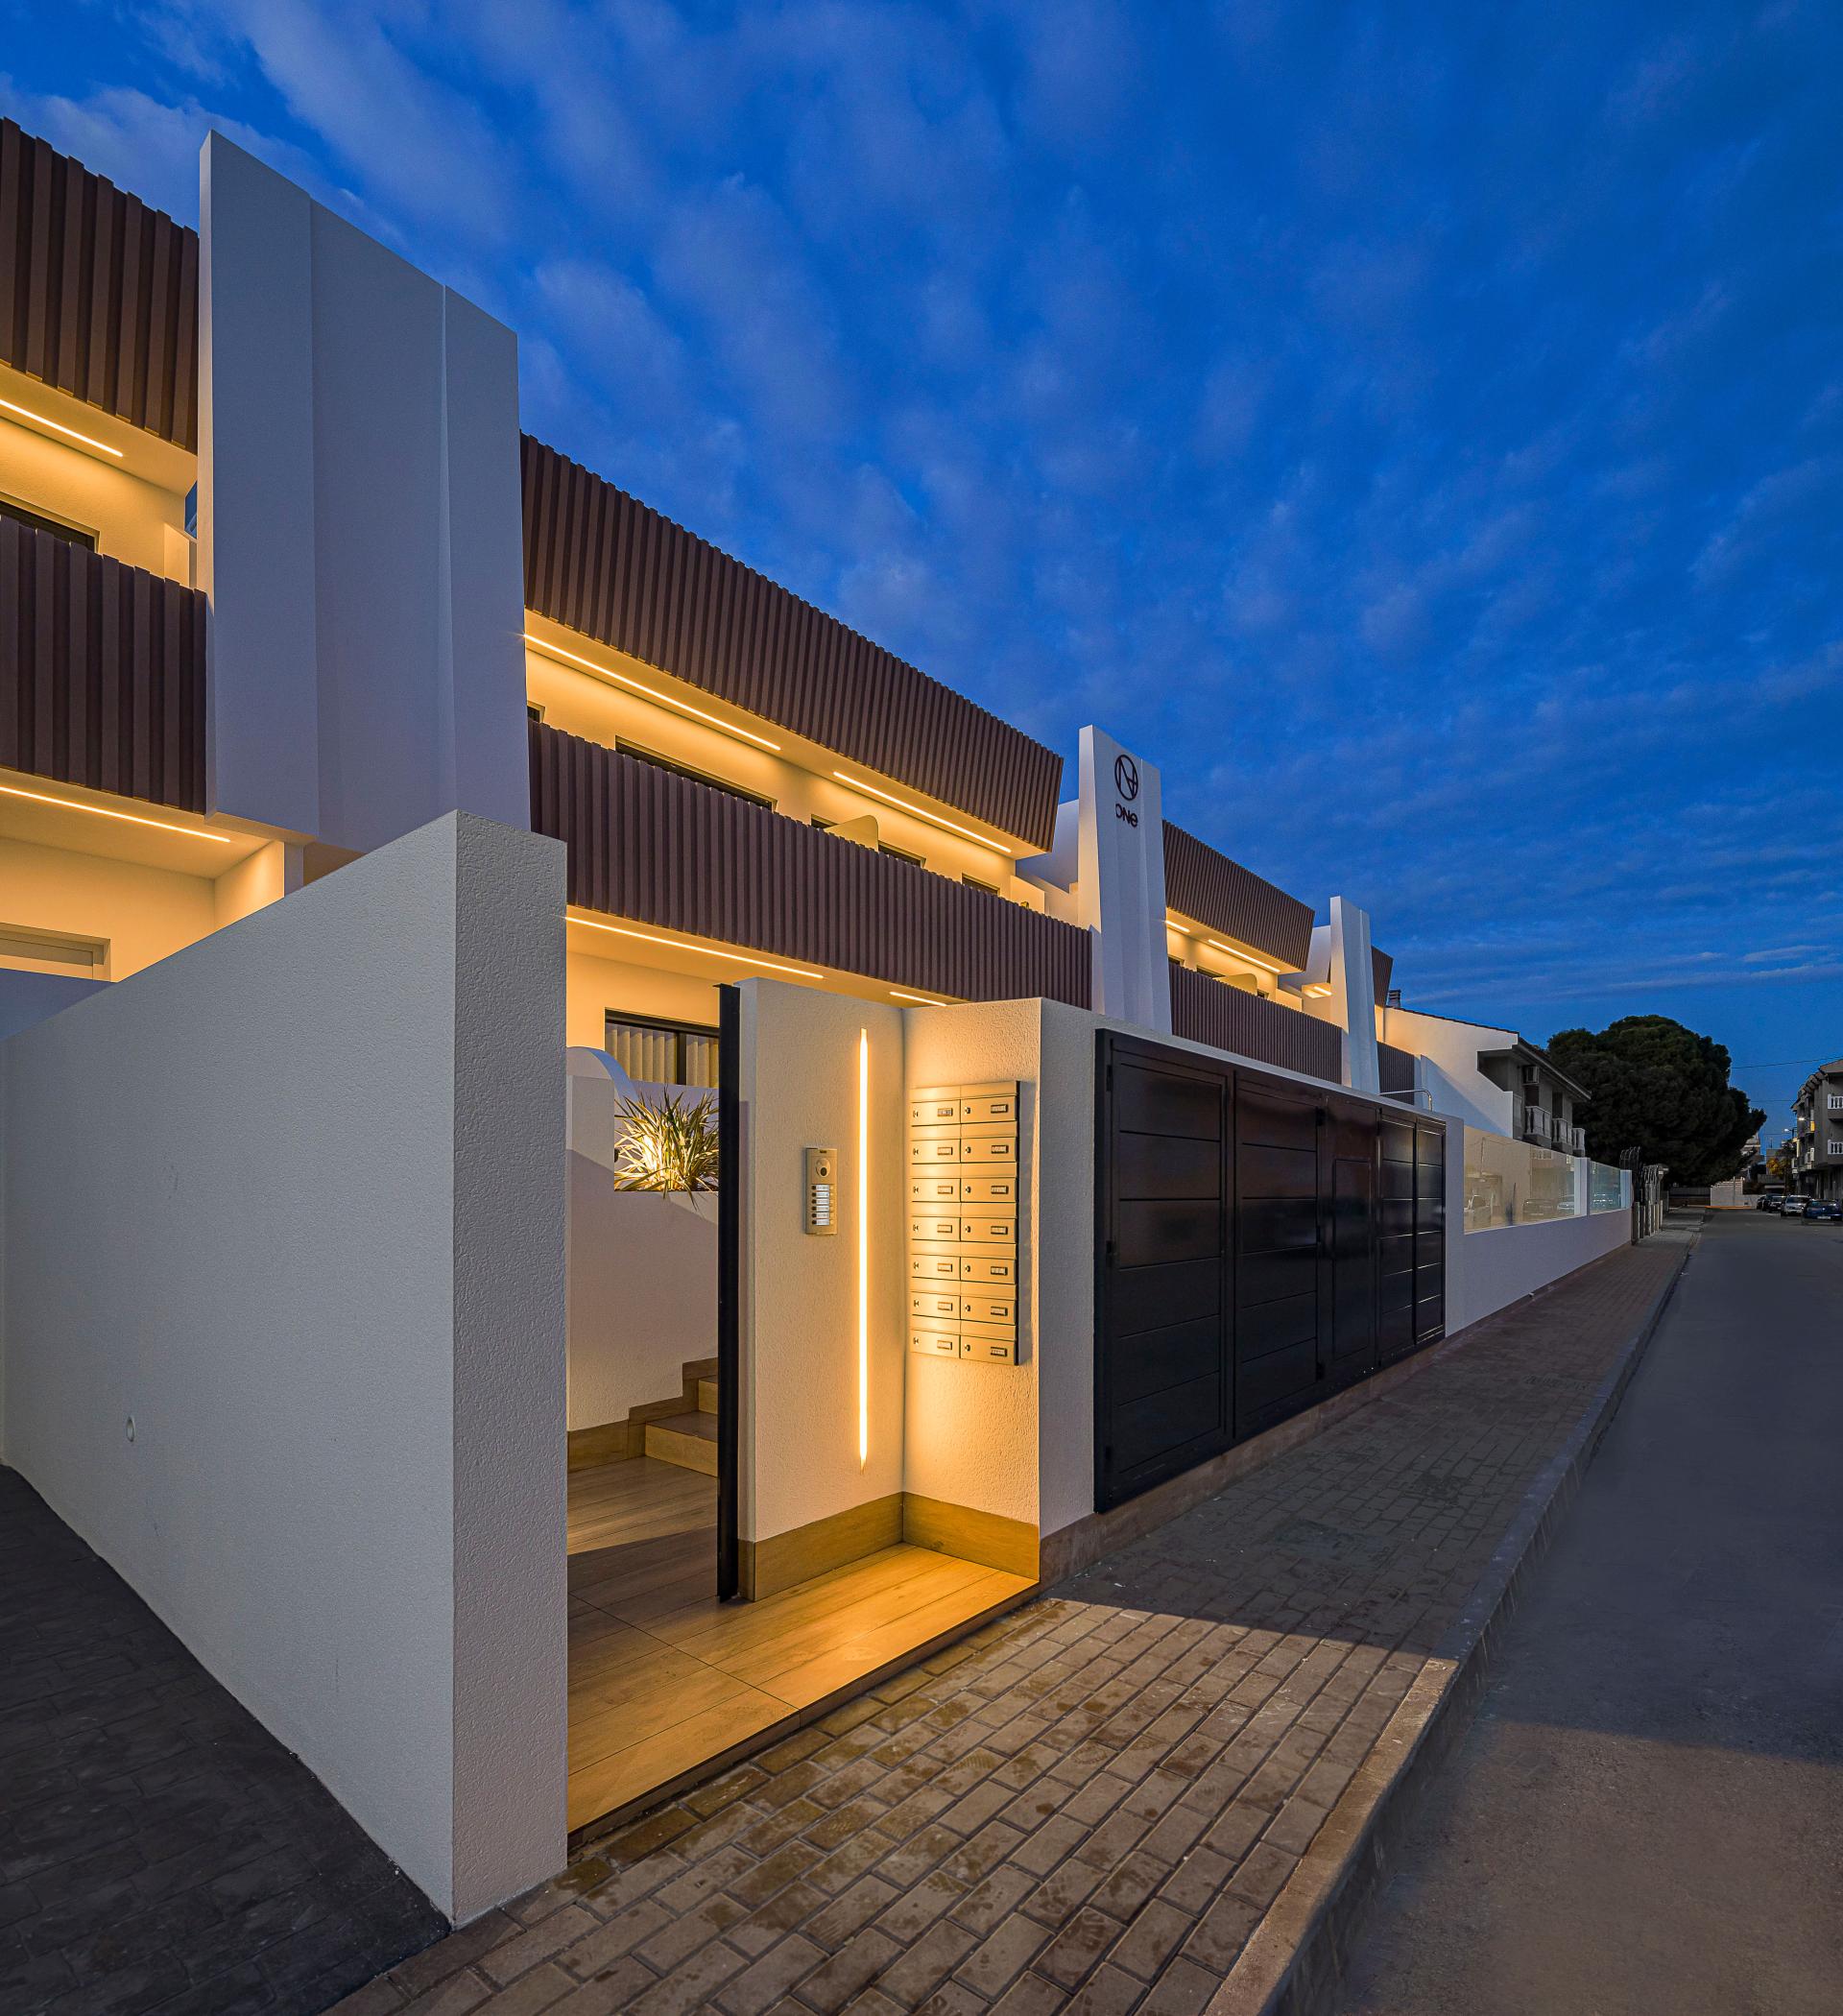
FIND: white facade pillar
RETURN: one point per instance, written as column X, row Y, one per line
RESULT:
column 360, row 525
column 1120, row 886
column 1352, row 983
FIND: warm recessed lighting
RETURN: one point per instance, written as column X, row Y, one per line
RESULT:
column 686, row 945
column 902, row 804
column 1235, row 952
column 38, row 419
column 1318, row 987
column 863, row 1247
column 71, row 804
column 927, row 1000
column 683, row 706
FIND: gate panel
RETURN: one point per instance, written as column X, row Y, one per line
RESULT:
column 1281, row 1301
column 1429, row 1234
column 1353, row 1229
column 1162, row 1395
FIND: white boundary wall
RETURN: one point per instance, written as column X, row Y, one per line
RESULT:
column 291, row 1202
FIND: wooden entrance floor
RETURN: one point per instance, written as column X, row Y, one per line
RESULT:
column 664, row 1679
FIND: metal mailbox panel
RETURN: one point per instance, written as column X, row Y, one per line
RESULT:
column 988, row 1349
column 1001, row 1310
column 989, row 1147
column 935, row 1343
column 922, row 1154
column 934, row 1110
column 934, row 1190
column 989, row 1231
column 989, row 1189
column 990, row 1107
column 934, row 1266
column 932, row 1305
column 936, row 1228
column 987, row 1268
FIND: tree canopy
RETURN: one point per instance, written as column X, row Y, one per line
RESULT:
column 1661, row 1089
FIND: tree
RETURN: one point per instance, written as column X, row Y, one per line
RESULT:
column 1778, row 1165
column 1661, row 1089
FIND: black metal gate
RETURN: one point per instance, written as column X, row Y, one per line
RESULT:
column 1260, row 1244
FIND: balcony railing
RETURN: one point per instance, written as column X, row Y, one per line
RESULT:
column 1207, row 1010
column 102, row 671
column 664, row 850
column 1538, row 1125
column 1576, row 1140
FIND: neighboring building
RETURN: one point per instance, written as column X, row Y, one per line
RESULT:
column 1817, row 1134
column 1496, row 1078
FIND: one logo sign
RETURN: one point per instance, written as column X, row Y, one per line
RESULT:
column 1126, row 777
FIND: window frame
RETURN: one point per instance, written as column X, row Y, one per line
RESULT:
column 662, row 1025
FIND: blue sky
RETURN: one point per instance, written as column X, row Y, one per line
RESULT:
column 1419, row 428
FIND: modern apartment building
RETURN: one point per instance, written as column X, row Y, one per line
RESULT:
column 1817, row 1133
column 1062, row 1155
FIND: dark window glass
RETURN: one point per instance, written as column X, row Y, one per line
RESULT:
column 24, row 514
column 662, row 1053
column 697, row 776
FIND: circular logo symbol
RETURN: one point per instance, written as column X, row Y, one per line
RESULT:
column 1126, row 777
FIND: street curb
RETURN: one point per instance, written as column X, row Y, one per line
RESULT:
column 1295, row 1961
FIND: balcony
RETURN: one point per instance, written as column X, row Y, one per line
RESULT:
column 659, row 848
column 1576, row 1143
column 102, row 671
column 1539, row 1126
column 1207, row 1010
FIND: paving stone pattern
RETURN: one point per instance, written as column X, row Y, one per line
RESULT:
column 1091, row 1802
column 160, row 1852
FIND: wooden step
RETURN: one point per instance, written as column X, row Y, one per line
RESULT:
column 687, row 1440
column 707, row 1395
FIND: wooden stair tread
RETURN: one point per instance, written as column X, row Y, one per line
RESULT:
column 687, row 1440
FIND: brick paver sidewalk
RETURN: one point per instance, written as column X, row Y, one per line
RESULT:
column 1092, row 1802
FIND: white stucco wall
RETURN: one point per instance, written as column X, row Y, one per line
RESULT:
column 359, row 524
column 642, row 1292
column 282, row 1319
column 1486, row 1270
column 799, row 1076
column 1449, row 1070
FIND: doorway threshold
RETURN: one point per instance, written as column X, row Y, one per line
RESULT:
column 668, row 1686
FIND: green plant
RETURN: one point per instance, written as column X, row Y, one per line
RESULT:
column 671, row 1147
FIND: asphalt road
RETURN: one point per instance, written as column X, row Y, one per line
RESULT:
column 1646, row 1814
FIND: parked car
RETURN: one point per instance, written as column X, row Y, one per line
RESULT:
column 1793, row 1207
column 1826, row 1209
column 1771, row 1200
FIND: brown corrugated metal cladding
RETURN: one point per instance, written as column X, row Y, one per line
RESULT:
column 1228, row 897
column 601, row 563
column 99, row 294
column 102, row 671
column 664, row 850
column 1210, row 1011
column 1398, row 1068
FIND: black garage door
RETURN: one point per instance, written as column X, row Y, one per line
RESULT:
column 1260, row 1244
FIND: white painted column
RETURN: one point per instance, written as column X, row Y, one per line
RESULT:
column 1120, row 889
column 359, row 525
column 1352, row 982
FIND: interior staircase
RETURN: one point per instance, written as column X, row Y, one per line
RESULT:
column 688, row 1440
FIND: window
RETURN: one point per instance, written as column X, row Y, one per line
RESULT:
column 697, row 776
column 532, row 711
column 972, row 882
column 901, row 854
column 1836, row 1102
column 24, row 514
column 662, row 1053
column 50, row 952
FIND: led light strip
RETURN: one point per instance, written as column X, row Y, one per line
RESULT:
column 686, row 945
column 1318, row 987
column 164, row 825
column 927, row 1001
column 684, row 706
column 38, row 419
column 902, row 804
column 863, row 1247
column 1235, row 952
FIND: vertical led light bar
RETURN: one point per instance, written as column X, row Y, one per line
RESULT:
column 863, row 1247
